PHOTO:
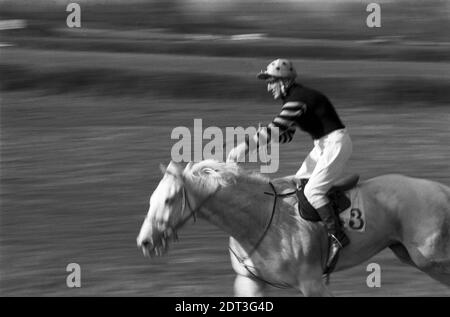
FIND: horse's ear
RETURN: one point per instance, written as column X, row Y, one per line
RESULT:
column 162, row 168
column 175, row 168
column 188, row 166
column 187, row 169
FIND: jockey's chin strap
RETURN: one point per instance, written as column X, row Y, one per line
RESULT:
column 258, row 243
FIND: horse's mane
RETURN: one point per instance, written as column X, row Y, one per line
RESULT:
column 209, row 174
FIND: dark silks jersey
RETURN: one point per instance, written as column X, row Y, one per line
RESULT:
column 303, row 108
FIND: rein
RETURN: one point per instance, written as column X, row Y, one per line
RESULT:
column 242, row 260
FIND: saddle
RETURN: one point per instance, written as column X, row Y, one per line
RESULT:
column 336, row 195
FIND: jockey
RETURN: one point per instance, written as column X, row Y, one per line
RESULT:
column 312, row 112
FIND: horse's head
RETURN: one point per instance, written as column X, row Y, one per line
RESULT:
column 167, row 212
column 180, row 195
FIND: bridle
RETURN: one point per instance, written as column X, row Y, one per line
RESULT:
column 185, row 202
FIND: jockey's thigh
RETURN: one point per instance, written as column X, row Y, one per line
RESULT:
column 336, row 150
column 310, row 162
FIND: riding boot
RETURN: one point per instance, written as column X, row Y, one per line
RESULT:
column 337, row 238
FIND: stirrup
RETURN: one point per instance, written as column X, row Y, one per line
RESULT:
column 330, row 268
column 333, row 237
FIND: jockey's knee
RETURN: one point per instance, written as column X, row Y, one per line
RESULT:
column 315, row 197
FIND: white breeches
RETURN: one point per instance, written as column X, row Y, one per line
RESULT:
column 324, row 165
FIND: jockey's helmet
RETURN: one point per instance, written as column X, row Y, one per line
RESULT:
column 280, row 69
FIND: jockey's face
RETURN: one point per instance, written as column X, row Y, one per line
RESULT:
column 274, row 86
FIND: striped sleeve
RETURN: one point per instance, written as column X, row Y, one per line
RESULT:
column 289, row 113
column 285, row 122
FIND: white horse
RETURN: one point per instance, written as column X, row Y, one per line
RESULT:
column 272, row 244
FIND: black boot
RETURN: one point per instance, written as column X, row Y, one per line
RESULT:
column 336, row 236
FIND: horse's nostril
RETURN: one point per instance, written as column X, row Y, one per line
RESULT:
column 145, row 243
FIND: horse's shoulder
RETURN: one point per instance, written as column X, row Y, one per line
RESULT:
column 284, row 179
column 286, row 182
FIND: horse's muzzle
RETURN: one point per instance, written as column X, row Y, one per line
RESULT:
column 156, row 246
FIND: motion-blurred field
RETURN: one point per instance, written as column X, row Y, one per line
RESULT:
column 83, row 133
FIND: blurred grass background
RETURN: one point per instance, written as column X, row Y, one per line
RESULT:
column 86, row 116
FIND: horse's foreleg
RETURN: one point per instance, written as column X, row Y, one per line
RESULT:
column 310, row 282
column 314, row 288
column 245, row 286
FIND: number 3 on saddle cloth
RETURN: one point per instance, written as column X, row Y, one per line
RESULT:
column 336, row 194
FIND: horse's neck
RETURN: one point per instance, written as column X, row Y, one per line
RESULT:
column 241, row 210
column 244, row 212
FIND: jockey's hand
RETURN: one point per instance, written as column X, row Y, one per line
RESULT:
column 237, row 154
